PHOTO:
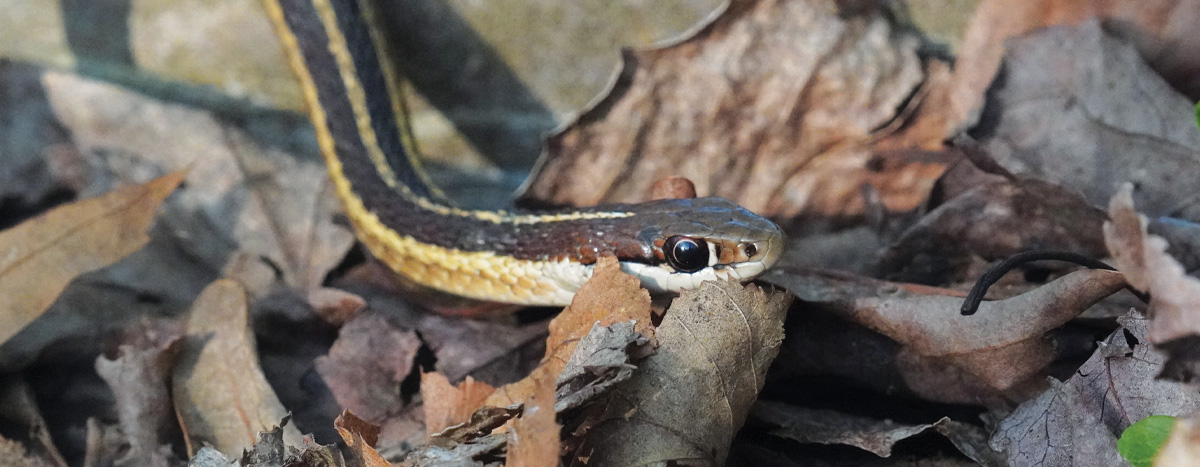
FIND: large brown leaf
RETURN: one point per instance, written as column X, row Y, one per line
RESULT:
column 685, row 403
column 220, row 393
column 774, row 104
column 39, row 257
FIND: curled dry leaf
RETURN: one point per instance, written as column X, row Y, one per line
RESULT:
column 775, row 105
column 139, row 381
column 686, row 402
column 1129, row 126
column 1002, row 344
column 40, row 256
column 602, row 360
column 359, row 436
column 367, row 364
column 1143, row 258
column 220, row 394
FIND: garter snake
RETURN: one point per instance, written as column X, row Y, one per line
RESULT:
column 503, row 256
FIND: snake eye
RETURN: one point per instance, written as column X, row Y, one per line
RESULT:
column 686, row 254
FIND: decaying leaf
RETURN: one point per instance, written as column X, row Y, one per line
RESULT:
column 12, row 454
column 685, row 402
column 601, row 361
column 220, row 394
column 139, row 378
column 1002, row 344
column 1114, row 388
column 360, row 436
column 1143, row 258
column 39, row 257
column 774, row 104
column 1113, row 119
column 366, row 365
column 830, row 427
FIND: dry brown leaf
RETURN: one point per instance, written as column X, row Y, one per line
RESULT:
column 686, row 402
column 367, row 364
column 1002, row 344
column 830, row 427
column 610, row 296
column 1159, row 26
column 446, row 405
column 42, row 255
column 139, row 381
column 335, row 306
column 1049, row 431
column 1049, row 115
column 533, row 440
column 220, row 394
column 774, row 104
column 993, row 221
column 13, row 454
column 359, row 436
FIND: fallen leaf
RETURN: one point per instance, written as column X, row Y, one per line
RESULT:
column 533, row 440
column 367, row 364
column 1130, row 126
column 1049, row 431
column 993, row 221
column 334, row 305
column 775, row 105
column 1143, row 259
column 603, row 359
column 139, row 381
column 830, row 427
column 1002, row 344
column 687, row 401
column 1081, row 418
column 219, row 391
column 359, row 436
column 610, row 296
column 1156, row 26
column 39, row 257
column 447, row 405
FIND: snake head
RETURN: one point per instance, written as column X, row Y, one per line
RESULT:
column 700, row 239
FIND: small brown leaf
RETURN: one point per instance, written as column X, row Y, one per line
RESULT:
column 139, row 381
column 40, row 256
column 220, row 393
column 446, row 405
column 367, row 364
column 831, row 427
column 359, row 437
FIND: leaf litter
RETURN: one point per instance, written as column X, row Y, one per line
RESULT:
column 835, row 128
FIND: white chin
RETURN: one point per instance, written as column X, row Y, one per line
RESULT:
column 660, row 280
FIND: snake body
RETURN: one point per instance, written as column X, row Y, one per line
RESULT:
column 531, row 258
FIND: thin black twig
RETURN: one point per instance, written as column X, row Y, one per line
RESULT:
column 971, row 304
